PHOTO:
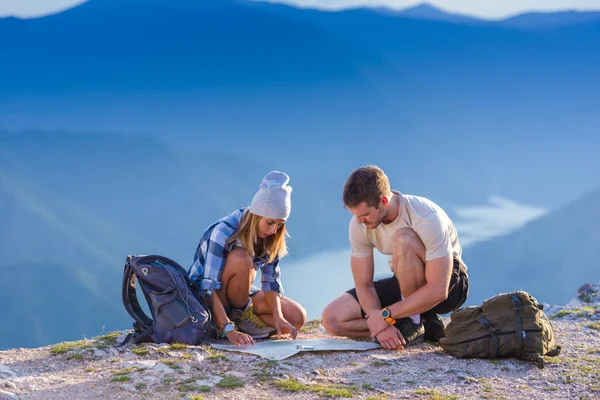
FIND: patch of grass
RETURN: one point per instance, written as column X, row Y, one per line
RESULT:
column 186, row 356
column 292, row 385
column 178, row 346
column 592, row 350
column 594, row 325
column 89, row 369
column 214, row 355
column 230, row 382
column 579, row 312
column 140, row 350
column 168, row 380
column 109, row 336
column 64, row 347
column 311, row 325
column 141, row 386
column 196, row 398
column 124, row 371
column 550, row 388
column 217, row 358
column 204, row 388
column 288, row 363
column 171, row 363
column 354, row 363
column 186, row 388
column 551, row 360
column 379, row 363
column 495, row 362
column 434, row 394
column 263, row 375
column 380, row 397
column 120, row 378
column 367, row 386
column 385, row 380
column 268, row 364
column 76, row 356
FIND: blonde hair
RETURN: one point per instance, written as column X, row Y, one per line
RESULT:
column 247, row 234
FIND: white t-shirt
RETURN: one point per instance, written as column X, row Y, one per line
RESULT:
column 422, row 215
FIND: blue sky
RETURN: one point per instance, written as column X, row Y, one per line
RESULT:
column 485, row 9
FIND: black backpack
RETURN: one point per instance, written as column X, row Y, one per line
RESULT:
column 179, row 314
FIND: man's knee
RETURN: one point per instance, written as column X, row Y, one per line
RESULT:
column 330, row 320
column 406, row 240
column 336, row 312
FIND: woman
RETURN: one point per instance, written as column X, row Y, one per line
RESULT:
column 230, row 252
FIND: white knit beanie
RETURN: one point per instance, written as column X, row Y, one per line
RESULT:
column 273, row 199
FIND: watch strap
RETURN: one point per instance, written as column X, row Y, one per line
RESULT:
column 386, row 314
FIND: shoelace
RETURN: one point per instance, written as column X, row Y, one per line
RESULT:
column 249, row 314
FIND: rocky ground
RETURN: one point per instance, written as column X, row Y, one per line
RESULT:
column 98, row 369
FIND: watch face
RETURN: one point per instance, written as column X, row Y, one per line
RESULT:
column 385, row 313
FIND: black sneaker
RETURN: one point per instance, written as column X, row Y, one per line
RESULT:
column 434, row 327
column 412, row 333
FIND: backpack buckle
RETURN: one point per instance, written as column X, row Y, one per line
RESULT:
column 486, row 324
column 516, row 302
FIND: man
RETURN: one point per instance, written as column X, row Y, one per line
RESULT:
column 424, row 254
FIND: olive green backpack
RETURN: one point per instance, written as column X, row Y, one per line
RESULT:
column 507, row 325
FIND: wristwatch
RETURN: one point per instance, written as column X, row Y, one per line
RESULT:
column 227, row 327
column 387, row 315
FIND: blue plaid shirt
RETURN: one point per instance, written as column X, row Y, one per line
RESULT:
column 209, row 260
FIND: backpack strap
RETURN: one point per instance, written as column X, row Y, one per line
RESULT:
column 518, row 306
column 130, row 301
column 494, row 333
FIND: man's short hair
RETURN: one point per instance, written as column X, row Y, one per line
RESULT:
column 366, row 184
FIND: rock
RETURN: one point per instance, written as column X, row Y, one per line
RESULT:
column 149, row 378
column 316, row 361
column 6, row 372
column 198, row 357
column 98, row 353
column 8, row 395
column 209, row 382
column 161, row 368
column 113, row 352
column 185, row 368
column 8, row 385
column 235, row 374
column 123, row 336
column 139, row 364
column 129, row 387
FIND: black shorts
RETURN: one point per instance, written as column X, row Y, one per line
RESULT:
column 388, row 291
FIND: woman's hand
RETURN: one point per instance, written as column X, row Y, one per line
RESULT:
column 240, row 339
column 282, row 324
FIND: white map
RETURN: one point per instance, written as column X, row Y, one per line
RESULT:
column 284, row 348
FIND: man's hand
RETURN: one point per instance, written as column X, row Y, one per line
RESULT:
column 391, row 338
column 281, row 323
column 376, row 323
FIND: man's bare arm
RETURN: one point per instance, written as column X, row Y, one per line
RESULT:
column 363, row 270
column 438, row 273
